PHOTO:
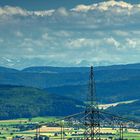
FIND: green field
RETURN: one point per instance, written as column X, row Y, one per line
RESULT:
column 27, row 127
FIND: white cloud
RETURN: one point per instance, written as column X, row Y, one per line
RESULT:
column 103, row 6
column 112, row 42
column 42, row 13
column 114, row 6
column 96, row 16
column 9, row 10
column 81, row 42
column 82, row 8
column 131, row 43
column 83, row 35
column 62, row 11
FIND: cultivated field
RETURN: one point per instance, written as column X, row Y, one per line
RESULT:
column 25, row 127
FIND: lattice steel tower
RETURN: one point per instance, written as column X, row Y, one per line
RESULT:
column 92, row 118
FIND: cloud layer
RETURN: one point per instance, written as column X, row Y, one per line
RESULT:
column 100, row 34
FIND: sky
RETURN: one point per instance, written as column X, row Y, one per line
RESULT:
column 69, row 32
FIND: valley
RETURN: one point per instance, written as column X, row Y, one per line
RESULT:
column 26, row 129
column 41, row 95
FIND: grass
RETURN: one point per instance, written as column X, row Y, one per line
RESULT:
column 43, row 119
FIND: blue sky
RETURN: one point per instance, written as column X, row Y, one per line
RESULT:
column 69, row 33
column 49, row 4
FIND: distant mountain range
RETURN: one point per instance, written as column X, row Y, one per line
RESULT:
column 113, row 83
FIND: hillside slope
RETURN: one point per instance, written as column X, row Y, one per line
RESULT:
column 131, row 110
column 56, row 85
column 107, row 91
column 46, row 77
column 20, row 102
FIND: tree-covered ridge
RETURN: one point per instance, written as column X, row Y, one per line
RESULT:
column 20, row 102
column 57, row 90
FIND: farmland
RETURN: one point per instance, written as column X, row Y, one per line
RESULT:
column 27, row 128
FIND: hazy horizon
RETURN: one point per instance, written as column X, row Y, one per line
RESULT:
column 34, row 66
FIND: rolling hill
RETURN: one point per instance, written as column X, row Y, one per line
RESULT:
column 45, row 77
column 113, row 84
column 23, row 102
column 107, row 91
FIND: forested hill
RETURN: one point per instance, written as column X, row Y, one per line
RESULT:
column 23, row 102
column 113, row 83
column 46, row 77
column 54, row 88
